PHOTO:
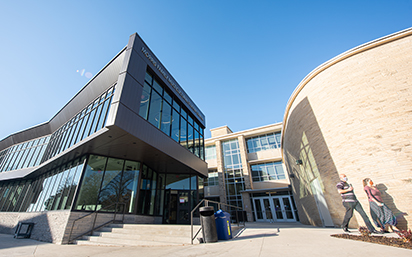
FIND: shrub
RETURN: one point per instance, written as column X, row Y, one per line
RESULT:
column 364, row 231
column 406, row 235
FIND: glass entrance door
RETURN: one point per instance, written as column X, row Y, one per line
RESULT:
column 287, row 208
column 274, row 208
column 177, row 207
column 263, row 209
column 183, row 207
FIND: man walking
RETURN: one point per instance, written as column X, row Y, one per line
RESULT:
column 350, row 202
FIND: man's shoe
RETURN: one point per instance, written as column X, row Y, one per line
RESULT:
column 346, row 230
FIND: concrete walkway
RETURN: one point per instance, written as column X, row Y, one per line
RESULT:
column 257, row 239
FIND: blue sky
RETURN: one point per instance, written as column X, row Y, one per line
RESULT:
column 239, row 61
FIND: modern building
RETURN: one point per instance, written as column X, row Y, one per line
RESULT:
column 353, row 115
column 245, row 169
column 130, row 141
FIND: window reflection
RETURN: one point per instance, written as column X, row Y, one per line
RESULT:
column 111, row 185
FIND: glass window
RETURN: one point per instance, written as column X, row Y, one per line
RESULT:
column 109, row 193
column 36, row 190
column 51, row 193
column 12, row 199
column 103, row 115
column 160, row 199
column 145, row 191
column 148, row 78
column 129, row 185
column 43, row 192
column 23, row 194
column 154, row 110
column 60, row 192
column 89, row 124
column 183, row 113
column 267, row 171
column 166, row 118
column 90, row 186
column 176, row 105
column 74, row 184
column 176, row 182
column 263, row 142
column 189, row 119
column 144, row 101
column 210, row 152
column 212, row 178
column 175, row 134
column 71, row 139
column 5, row 195
column 96, row 119
column 183, row 132
column 153, row 194
column 157, row 87
column 167, row 97
column 197, row 143
column 81, row 136
column 190, row 137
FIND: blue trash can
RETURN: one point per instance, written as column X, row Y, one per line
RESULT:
column 224, row 231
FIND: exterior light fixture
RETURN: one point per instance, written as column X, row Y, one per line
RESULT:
column 299, row 162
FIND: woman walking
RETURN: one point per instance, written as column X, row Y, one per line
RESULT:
column 380, row 213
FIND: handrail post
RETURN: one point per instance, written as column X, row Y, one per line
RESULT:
column 115, row 212
column 191, row 227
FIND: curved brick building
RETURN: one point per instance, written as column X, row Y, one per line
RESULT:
column 353, row 115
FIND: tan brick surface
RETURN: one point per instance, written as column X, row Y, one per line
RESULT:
column 357, row 116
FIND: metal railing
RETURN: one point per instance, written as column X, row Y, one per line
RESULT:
column 94, row 227
column 219, row 204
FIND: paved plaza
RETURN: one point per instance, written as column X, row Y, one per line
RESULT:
column 257, row 239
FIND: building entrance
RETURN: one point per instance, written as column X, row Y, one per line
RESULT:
column 177, row 207
column 274, row 208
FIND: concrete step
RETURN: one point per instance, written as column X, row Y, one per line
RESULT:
column 170, row 230
column 145, row 237
column 140, row 235
column 93, row 240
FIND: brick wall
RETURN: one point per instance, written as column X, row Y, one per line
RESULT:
column 355, row 113
column 56, row 226
column 48, row 226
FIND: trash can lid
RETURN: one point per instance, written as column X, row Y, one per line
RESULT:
column 206, row 208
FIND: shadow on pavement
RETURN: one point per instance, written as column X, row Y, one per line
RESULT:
column 8, row 241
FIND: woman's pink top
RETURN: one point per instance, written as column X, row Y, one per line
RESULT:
column 373, row 192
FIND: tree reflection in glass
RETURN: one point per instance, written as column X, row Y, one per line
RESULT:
column 111, row 185
column 90, row 186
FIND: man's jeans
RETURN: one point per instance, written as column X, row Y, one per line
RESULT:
column 350, row 206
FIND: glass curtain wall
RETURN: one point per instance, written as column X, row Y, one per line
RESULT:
column 107, row 181
column 24, row 155
column 234, row 179
column 162, row 110
column 91, row 119
column 51, row 191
